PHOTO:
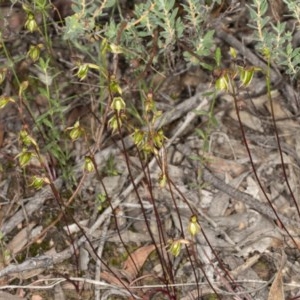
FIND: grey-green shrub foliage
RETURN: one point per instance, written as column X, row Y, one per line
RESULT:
column 157, row 24
column 152, row 24
column 274, row 39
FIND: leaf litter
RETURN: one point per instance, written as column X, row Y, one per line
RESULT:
column 241, row 235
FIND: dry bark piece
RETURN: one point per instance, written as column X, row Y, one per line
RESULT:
column 246, row 198
column 32, row 204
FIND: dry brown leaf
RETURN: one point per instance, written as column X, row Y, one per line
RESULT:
column 21, row 239
column 220, row 165
column 112, row 279
column 62, row 9
column 12, row 20
column 137, row 259
column 248, row 120
column 37, row 297
column 253, row 188
column 277, row 9
column 276, row 291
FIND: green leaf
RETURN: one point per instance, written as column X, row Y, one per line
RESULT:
column 201, row 133
column 206, row 66
column 201, row 112
column 213, row 120
column 218, row 56
column 47, row 122
column 74, row 28
column 263, row 6
column 110, row 3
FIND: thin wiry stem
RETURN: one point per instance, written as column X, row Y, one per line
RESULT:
column 253, row 166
